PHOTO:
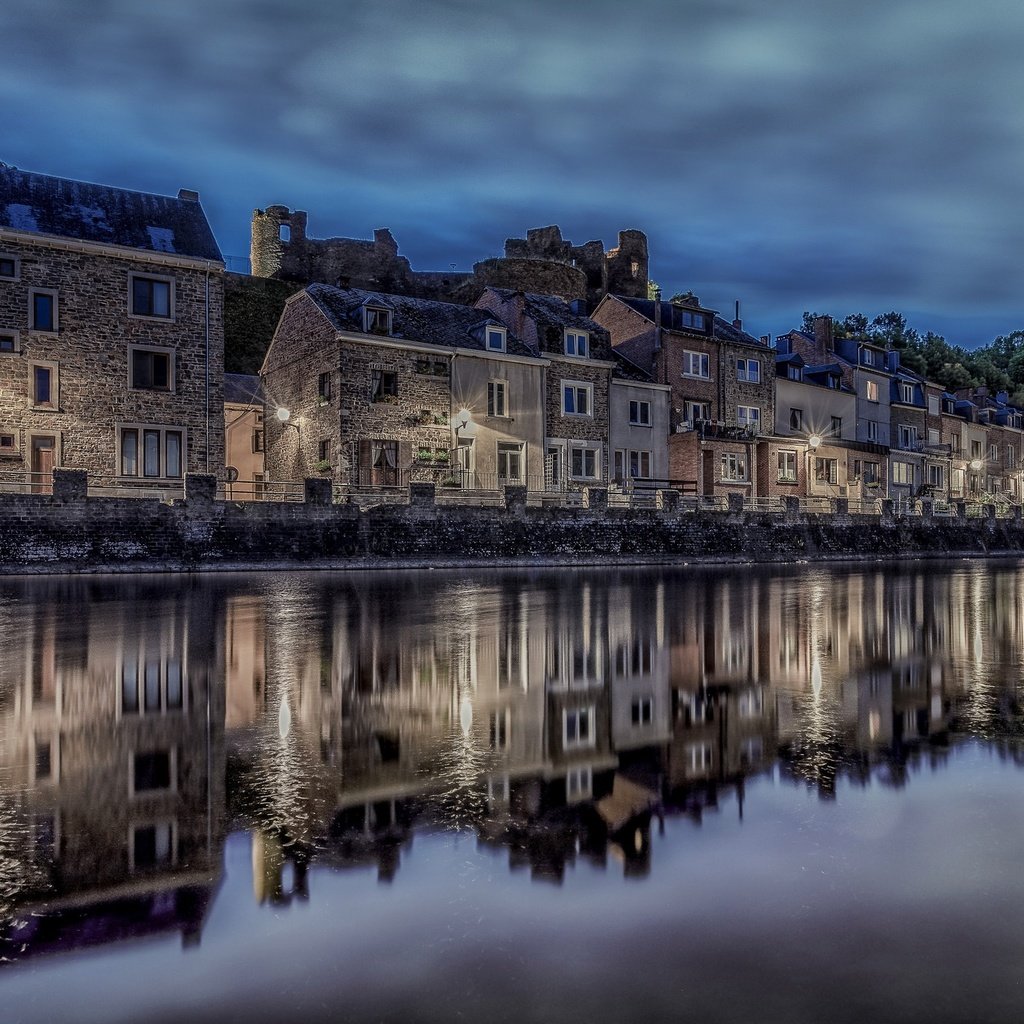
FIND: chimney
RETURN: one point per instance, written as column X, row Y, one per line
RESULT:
column 823, row 332
column 737, row 322
column 189, row 195
column 657, row 319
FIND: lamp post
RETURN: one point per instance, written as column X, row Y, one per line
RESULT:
column 813, row 444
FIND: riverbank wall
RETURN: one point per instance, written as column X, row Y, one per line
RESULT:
column 68, row 531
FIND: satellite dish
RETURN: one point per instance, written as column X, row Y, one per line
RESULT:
column 232, row 474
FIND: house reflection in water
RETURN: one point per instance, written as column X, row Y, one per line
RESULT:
column 553, row 714
column 113, row 763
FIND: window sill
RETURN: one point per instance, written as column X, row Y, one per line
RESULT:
column 695, row 376
column 645, row 426
column 786, row 482
column 151, row 318
column 578, row 415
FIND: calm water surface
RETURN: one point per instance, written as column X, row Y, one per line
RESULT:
column 527, row 796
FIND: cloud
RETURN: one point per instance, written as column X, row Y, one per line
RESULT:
column 857, row 153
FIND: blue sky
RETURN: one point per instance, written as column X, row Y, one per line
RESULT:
column 855, row 155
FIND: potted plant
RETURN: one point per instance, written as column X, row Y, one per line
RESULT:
column 323, row 466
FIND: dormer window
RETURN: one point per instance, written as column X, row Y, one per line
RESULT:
column 906, row 392
column 869, row 357
column 695, row 321
column 577, row 343
column 832, row 380
column 495, row 339
column 377, row 320
column 794, row 372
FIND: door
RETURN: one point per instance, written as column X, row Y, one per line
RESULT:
column 44, row 450
column 384, row 464
column 553, row 469
column 465, row 461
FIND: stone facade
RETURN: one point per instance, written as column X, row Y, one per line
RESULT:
column 93, row 368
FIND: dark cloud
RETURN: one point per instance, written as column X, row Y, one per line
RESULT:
column 853, row 155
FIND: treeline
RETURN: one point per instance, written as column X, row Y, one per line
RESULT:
column 998, row 365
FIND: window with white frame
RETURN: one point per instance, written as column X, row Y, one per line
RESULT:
column 699, row 756
column 907, row 436
column 579, row 783
column 787, row 467
column 906, row 392
column 510, row 462
column 578, row 727
column 933, row 436
column 577, row 343
column 640, row 413
column 583, row 462
column 696, row 412
column 577, row 398
column 902, row 473
column 826, row 470
column 933, row 405
column 748, row 417
column 871, row 390
column 151, row 296
column 1011, row 456
column 497, row 398
column 151, row 451
column 734, row 466
column 696, row 364
column 936, row 475
column 496, row 338
column 42, row 309
column 150, row 369
column 957, row 480
column 867, row 357
column 376, row 320
column 748, row 370
column 640, row 464
column 642, row 710
column 993, row 453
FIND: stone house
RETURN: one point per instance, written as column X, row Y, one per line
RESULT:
column 577, row 382
column 722, row 383
column 639, row 414
column 378, row 390
column 111, row 334
column 243, row 435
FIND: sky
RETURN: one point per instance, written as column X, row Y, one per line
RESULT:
column 840, row 156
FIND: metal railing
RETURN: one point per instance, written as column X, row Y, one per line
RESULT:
column 21, row 482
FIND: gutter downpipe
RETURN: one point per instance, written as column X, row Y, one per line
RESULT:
column 207, row 367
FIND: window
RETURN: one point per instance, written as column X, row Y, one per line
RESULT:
column 579, row 783
column 907, row 436
column 734, row 466
column 152, row 369
column 642, row 711
column 935, row 475
column 871, row 429
column 9, row 342
column 153, row 771
column 376, row 320
column 933, row 405
column 868, row 357
column 153, row 452
column 871, row 390
column 43, row 310
column 826, row 470
column 496, row 339
column 323, row 387
column 640, row 465
column 749, row 370
column 323, row 452
column 957, row 481
column 796, row 419
column 832, row 381
column 748, row 417
column 975, row 449
column 7, row 444
column 787, row 467
column 640, row 414
column 993, row 452
column 696, row 321
column 384, row 386
column 43, row 384
column 696, row 412
column 152, row 296
column 150, row 684
column 902, row 473
column 1011, row 456
column 906, row 392
column 871, row 472
column 837, row 426
column 257, row 439
column 699, row 756
column 510, row 463
column 576, row 343
column 497, row 398
column 577, row 398
column 578, row 727
column 499, row 729
column 794, row 372
column 9, row 266
column 933, row 436
column 583, row 463
column 152, row 845
column 696, row 364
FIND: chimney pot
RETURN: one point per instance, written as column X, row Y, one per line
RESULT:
column 188, row 194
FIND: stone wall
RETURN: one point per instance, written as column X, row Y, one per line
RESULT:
column 63, row 533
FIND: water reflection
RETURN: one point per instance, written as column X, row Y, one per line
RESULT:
column 559, row 716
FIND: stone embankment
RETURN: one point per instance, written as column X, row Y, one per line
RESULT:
column 67, row 531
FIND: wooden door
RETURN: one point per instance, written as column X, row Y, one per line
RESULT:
column 44, row 451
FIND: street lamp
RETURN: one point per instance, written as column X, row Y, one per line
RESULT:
column 284, row 417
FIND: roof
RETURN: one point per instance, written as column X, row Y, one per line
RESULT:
column 550, row 309
column 41, row 204
column 243, row 389
column 723, row 330
column 626, row 369
column 414, row 320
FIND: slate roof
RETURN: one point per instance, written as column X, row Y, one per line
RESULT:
column 243, row 389
column 626, row 369
column 413, row 320
column 551, row 309
column 41, row 204
column 723, row 329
